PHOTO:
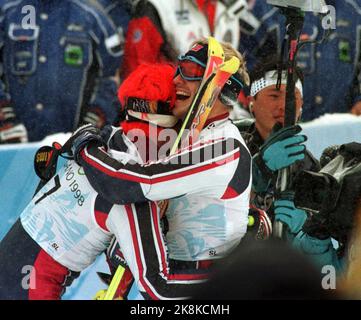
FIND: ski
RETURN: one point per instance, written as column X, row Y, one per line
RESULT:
column 114, row 283
column 211, row 94
column 215, row 59
column 204, row 101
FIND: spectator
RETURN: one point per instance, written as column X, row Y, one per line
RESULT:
column 326, row 90
column 58, row 63
column 270, row 149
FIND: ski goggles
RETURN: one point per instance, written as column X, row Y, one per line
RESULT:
column 190, row 68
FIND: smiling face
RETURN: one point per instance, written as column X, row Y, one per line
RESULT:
column 190, row 71
column 269, row 108
column 185, row 92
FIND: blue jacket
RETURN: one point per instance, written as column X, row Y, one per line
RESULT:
column 120, row 12
column 257, row 44
column 332, row 68
column 59, row 68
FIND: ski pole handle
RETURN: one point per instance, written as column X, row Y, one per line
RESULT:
column 278, row 229
column 281, row 184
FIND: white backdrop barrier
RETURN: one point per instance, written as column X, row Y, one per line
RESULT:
column 331, row 129
column 18, row 182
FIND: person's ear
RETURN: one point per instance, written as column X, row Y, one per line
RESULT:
column 250, row 106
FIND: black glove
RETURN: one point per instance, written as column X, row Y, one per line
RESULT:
column 82, row 137
column 317, row 226
column 11, row 130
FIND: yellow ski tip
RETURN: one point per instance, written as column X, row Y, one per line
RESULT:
column 231, row 65
column 215, row 48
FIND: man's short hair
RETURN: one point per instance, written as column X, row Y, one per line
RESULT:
column 269, row 64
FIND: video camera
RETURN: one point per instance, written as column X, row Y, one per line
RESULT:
column 332, row 193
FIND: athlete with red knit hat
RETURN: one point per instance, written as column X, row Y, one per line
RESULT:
column 63, row 229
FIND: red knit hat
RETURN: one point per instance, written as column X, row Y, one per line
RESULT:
column 148, row 95
column 148, row 85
